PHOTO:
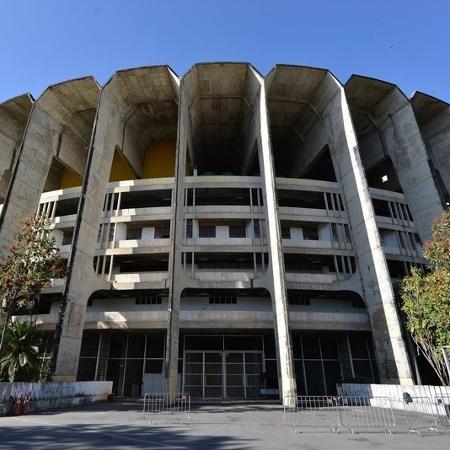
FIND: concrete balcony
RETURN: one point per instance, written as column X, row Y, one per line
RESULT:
column 311, row 214
column 225, row 244
column 321, row 320
column 134, row 246
column 223, row 276
column 153, row 213
column 110, row 319
column 141, row 280
column 311, row 278
column 307, row 185
column 224, row 211
column 226, row 319
column 316, row 244
column 222, row 181
column 390, row 222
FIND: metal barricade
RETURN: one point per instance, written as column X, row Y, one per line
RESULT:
column 306, row 412
column 361, row 413
column 421, row 415
column 358, row 413
column 159, row 407
column 442, row 403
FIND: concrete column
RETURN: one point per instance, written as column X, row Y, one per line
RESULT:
column 14, row 114
column 177, row 280
column 398, row 135
column 391, row 354
column 81, row 280
column 53, row 131
column 286, row 375
column 433, row 118
column 120, row 98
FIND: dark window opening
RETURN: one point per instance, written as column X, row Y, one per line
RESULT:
column 285, row 233
column 162, row 232
column 237, row 231
column 300, row 199
column 300, row 300
column 207, row 231
column 146, row 199
column 133, row 233
column 148, row 300
column 223, row 300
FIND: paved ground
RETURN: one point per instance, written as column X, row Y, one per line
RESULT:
column 227, row 427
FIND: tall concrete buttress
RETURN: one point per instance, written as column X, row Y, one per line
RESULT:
column 394, row 133
column 286, row 375
column 129, row 106
column 433, row 118
column 222, row 90
column 325, row 122
column 58, row 132
column 14, row 115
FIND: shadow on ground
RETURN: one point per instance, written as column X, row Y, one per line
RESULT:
column 78, row 436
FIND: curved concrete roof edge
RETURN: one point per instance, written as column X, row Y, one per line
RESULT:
column 101, row 87
column 237, row 63
column 25, row 94
column 377, row 80
column 72, row 80
column 424, row 94
column 156, row 66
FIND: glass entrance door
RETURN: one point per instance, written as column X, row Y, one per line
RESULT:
column 204, row 374
column 244, row 374
column 217, row 375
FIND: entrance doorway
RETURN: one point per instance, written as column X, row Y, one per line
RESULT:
column 224, row 374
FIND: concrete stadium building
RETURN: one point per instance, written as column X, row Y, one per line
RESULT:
column 228, row 234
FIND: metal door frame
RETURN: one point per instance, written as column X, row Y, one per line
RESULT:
column 224, row 354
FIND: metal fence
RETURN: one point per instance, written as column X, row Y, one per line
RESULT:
column 359, row 413
column 163, row 407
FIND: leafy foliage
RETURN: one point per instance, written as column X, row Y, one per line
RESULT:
column 21, row 352
column 33, row 261
column 30, row 266
column 426, row 298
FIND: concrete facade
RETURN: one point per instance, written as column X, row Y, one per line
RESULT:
column 226, row 221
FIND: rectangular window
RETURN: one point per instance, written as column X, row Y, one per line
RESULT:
column 134, row 233
column 67, row 238
column 207, row 231
column 237, row 231
column 256, row 229
column 111, row 232
column 298, row 300
column 347, row 234
column 188, row 228
column 162, row 232
column 310, row 233
column 285, row 233
column 148, row 300
column 222, row 300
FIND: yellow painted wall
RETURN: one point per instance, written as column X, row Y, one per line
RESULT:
column 160, row 160
column 120, row 170
column 69, row 179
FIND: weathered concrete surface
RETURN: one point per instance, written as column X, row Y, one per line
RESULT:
column 14, row 115
column 433, row 117
column 383, row 109
column 125, row 92
column 328, row 123
column 45, row 396
column 59, row 128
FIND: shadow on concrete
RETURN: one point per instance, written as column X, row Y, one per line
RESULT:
column 77, row 436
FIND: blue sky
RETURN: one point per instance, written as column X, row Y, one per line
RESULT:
column 46, row 41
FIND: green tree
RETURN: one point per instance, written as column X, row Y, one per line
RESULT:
column 21, row 360
column 32, row 262
column 426, row 299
